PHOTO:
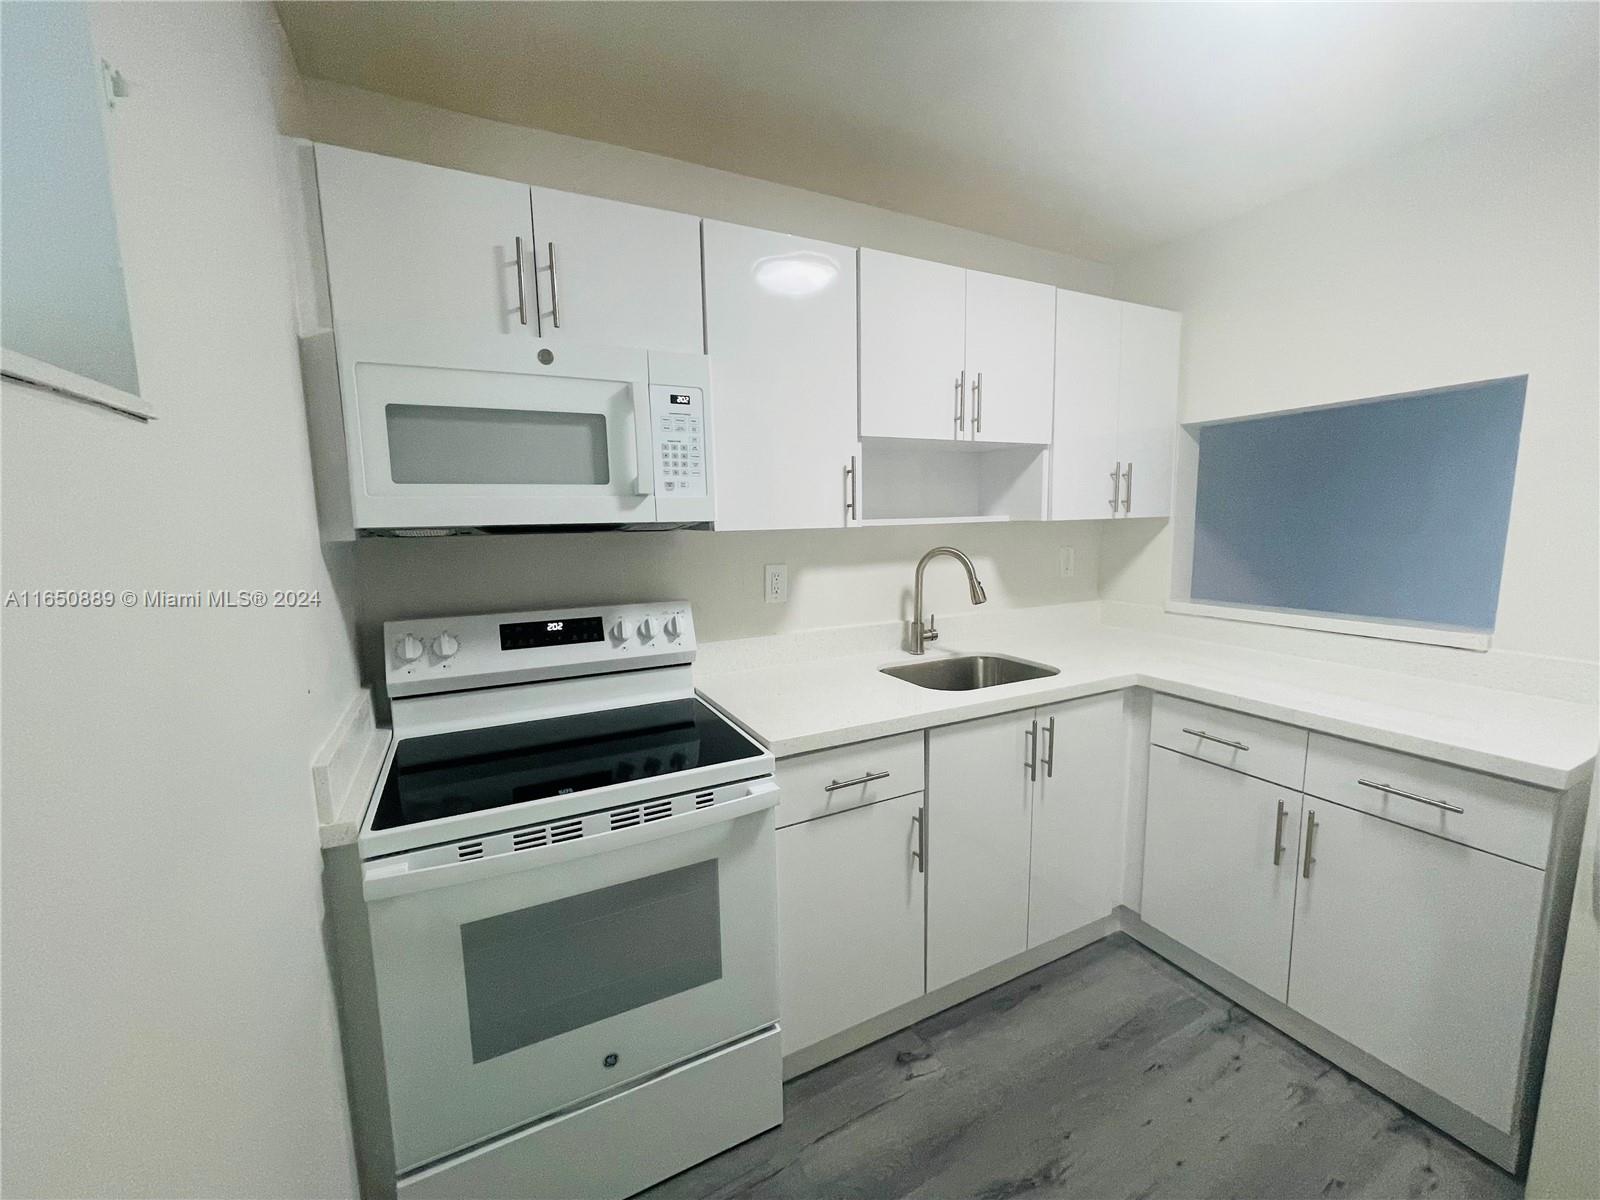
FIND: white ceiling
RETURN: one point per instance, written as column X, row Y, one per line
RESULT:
column 1095, row 129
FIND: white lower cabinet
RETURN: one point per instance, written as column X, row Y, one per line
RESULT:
column 1419, row 951
column 1219, row 865
column 979, row 827
column 850, row 904
column 1075, row 865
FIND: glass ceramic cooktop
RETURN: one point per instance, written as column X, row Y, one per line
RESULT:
column 448, row 774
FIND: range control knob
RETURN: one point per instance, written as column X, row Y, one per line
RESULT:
column 621, row 630
column 646, row 629
column 445, row 645
column 671, row 627
column 409, row 648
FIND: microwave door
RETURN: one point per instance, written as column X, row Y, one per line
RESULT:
column 498, row 440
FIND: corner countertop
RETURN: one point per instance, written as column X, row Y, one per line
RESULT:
column 797, row 705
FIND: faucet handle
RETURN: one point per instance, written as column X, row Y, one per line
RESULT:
column 929, row 632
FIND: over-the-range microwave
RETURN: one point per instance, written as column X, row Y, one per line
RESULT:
column 416, row 431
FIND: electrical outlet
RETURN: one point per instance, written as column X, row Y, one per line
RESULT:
column 776, row 583
column 1066, row 562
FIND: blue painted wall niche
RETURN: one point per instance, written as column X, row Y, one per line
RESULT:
column 1393, row 509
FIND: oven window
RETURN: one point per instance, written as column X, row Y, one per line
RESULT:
column 431, row 443
column 540, row 972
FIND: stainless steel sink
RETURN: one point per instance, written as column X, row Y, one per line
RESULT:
column 969, row 671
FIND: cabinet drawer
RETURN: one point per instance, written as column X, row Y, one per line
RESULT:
column 870, row 771
column 1266, row 749
column 1497, row 815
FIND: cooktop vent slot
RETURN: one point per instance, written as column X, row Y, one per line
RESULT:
column 469, row 850
column 705, row 800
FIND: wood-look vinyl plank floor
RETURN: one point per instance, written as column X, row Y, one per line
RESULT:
column 1109, row 1073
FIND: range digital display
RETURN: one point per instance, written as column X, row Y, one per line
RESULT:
column 564, row 631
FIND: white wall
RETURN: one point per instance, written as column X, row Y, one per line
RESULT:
column 1470, row 257
column 1566, row 1153
column 836, row 577
column 169, row 1024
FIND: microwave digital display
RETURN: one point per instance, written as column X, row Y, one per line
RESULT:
column 679, row 398
column 565, row 631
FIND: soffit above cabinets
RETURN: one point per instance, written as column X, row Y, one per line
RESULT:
column 1091, row 129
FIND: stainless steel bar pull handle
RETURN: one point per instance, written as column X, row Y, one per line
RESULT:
column 961, row 402
column 1277, row 834
column 919, row 847
column 1387, row 790
column 1209, row 737
column 555, row 304
column 850, row 491
column 977, row 404
column 840, row 784
column 1050, row 756
column 1127, row 488
column 1031, row 762
column 522, row 301
column 538, row 308
column 1116, row 485
column 1311, row 834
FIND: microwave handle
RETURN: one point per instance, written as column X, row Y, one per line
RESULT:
column 385, row 879
column 644, row 441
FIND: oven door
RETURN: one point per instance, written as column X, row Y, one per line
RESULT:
column 443, row 434
column 516, row 984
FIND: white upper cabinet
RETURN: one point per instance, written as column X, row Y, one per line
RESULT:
column 1147, row 408
column 468, row 255
column 1010, row 358
column 913, row 347
column 409, row 244
column 1084, row 453
column 615, row 274
column 950, row 354
column 781, row 334
column 1116, row 409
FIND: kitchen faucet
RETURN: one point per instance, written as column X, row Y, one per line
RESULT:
column 920, row 636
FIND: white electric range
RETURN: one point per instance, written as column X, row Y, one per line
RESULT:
column 569, row 876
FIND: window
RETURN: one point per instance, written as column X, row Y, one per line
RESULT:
column 1391, row 510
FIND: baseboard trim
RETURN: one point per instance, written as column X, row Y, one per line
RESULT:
column 809, row 1058
column 1496, row 1145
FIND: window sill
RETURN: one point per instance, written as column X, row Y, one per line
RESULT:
column 1459, row 639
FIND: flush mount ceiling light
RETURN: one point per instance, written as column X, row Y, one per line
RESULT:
column 802, row 274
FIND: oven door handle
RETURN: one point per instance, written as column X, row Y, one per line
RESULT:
column 386, row 878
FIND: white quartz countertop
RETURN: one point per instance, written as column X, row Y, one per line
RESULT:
column 797, row 706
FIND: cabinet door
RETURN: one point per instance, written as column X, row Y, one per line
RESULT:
column 1084, row 451
column 409, row 244
column 979, row 797
column 1010, row 358
column 622, row 274
column 1419, row 951
column 1147, row 408
column 1210, row 879
column 1075, row 867
column 850, row 913
column 781, row 333
column 913, row 339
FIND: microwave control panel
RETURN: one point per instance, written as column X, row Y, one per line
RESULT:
column 677, row 417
